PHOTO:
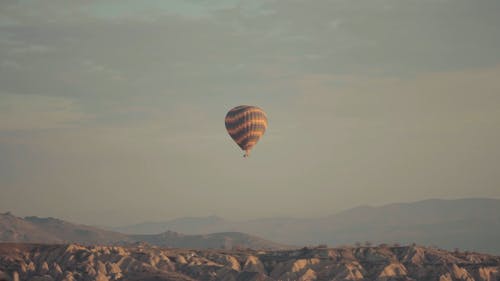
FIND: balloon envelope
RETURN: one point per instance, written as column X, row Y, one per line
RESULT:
column 246, row 125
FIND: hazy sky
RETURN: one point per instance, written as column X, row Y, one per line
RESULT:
column 112, row 112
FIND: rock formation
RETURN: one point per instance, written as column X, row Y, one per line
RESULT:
column 144, row 262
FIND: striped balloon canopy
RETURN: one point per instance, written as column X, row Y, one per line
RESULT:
column 246, row 124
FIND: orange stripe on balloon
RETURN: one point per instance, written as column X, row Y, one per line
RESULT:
column 247, row 124
column 240, row 115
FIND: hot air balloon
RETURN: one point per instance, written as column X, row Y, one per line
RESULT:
column 246, row 124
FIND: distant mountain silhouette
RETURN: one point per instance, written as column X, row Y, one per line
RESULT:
column 56, row 231
column 472, row 224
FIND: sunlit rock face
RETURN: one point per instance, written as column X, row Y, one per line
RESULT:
column 143, row 262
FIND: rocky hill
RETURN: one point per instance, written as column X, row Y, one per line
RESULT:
column 223, row 240
column 51, row 231
column 187, row 225
column 105, row 263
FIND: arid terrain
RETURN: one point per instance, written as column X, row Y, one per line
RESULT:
column 50, row 249
column 68, row 262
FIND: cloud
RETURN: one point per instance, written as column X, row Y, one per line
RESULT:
column 427, row 96
column 11, row 65
column 99, row 69
column 33, row 113
column 397, row 95
column 322, row 37
column 31, row 49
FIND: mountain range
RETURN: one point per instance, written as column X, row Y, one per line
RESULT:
column 472, row 224
column 467, row 224
column 56, row 231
